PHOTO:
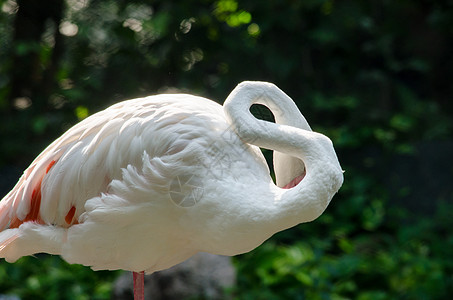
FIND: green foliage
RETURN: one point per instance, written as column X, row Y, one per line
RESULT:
column 49, row 277
column 343, row 260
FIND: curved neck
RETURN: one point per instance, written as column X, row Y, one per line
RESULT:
column 285, row 111
column 237, row 105
column 307, row 200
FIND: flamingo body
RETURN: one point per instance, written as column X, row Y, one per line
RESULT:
column 147, row 183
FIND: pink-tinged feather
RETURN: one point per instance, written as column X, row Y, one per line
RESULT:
column 50, row 166
column 33, row 214
column 6, row 242
column 70, row 216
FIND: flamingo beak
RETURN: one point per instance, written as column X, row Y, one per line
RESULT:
column 295, row 181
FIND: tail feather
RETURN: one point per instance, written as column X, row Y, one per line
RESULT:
column 4, row 243
column 5, row 209
column 31, row 238
column 7, row 237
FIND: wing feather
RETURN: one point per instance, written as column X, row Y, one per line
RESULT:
column 84, row 161
column 66, row 172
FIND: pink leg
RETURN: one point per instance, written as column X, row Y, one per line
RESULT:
column 139, row 285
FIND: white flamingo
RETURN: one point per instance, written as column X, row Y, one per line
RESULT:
column 149, row 182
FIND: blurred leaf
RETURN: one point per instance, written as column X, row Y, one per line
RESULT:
column 81, row 112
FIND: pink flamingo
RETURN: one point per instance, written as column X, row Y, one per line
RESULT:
column 149, row 182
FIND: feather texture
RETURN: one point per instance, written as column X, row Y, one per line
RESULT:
column 149, row 182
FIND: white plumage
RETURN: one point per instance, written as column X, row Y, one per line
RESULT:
column 147, row 183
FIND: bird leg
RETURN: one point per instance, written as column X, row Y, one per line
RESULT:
column 139, row 285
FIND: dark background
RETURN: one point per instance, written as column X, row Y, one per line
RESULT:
column 374, row 76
